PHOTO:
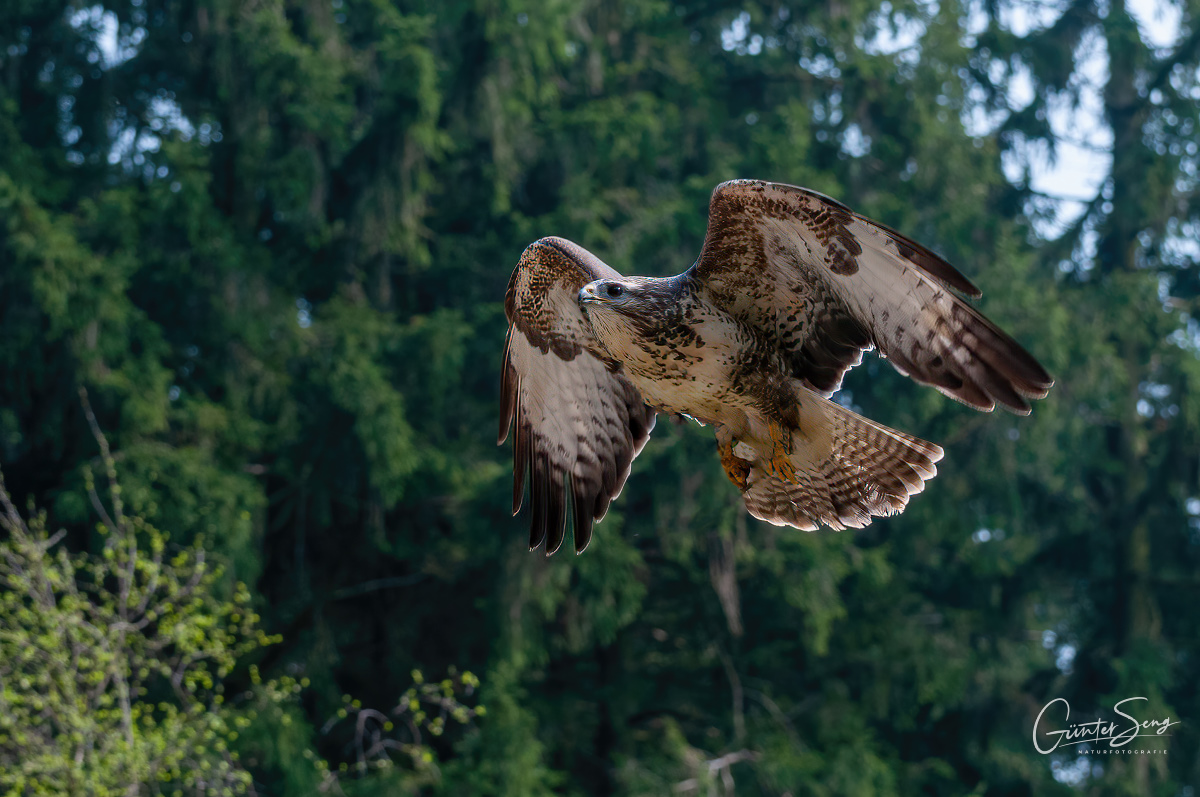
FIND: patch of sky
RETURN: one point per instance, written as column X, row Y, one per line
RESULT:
column 973, row 22
column 846, row 399
column 736, row 38
column 820, row 65
column 855, row 143
column 894, row 33
column 1064, row 658
column 981, row 120
column 1023, row 18
column 987, row 535
column 1153, row 401
column 165, row 115
column 829, row 110
column 115, row 43
column 303, row 313
column 1075, row 171
column 1064, row 652
column 1187, row 337
column 1159, row 22
column 1075, row 772
column 132, row 143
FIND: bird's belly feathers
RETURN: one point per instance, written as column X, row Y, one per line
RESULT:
column 689, row 395
column 696, row 376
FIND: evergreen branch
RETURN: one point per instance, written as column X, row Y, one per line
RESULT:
column 1084, row 145
column 1186, row 48
column 1071, row 234
column 1058, row 197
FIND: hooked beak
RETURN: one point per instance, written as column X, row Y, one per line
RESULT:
column 587, row 294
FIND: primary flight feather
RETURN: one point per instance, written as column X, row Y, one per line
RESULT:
column 790, row 289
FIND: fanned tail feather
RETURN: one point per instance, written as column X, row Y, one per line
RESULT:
column 848, row 470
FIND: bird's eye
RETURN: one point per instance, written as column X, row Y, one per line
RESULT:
column 614, row 291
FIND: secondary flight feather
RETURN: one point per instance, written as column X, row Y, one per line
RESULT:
column 791, row 287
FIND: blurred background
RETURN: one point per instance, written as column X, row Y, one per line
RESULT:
column 270, row 240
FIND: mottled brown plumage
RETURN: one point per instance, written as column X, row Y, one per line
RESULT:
column 578, row 422
column 789, row 290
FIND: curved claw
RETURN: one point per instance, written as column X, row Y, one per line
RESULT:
column 736, row 468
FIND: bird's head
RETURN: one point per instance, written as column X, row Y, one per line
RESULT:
column 612, row 294
column 621, row 309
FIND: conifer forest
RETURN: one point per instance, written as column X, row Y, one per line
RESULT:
column 255, row 530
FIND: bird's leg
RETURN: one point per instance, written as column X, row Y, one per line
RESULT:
column 736, row 468
column 778, row 402
column 780, row 464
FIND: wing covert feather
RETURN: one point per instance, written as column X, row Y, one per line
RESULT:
column 828, row 284
column 578, row 422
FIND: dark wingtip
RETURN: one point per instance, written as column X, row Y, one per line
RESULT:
column 510, row 385
column 583, row 535
column 581, row 506
column 556, row 528
column 930, row 262
column 555, row 540
column 1020, row 409
column 540, row 504
column 536, row 535
column 521, row 461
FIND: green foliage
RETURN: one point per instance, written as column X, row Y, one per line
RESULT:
column 113, row 665
column 115, row 670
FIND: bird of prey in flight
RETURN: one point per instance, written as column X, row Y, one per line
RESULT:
column 790, row 289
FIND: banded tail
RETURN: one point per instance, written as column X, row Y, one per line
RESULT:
column 842, row 470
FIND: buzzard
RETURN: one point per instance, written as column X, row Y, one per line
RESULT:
column 790, row 289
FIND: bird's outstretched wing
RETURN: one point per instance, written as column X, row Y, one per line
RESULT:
column 827, row 284
column 579, row 422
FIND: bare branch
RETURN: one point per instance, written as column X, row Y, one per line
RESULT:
column 109, row 466
column 739, row 703
column 12, row 517
column 722, row 571
column 1060, row 197
column 719, row 767
column 98, row 505
column 150, row 590
column 776, row 713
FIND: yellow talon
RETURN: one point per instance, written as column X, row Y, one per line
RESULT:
column 780, row 464
column 736, row 468
column 781, row 468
